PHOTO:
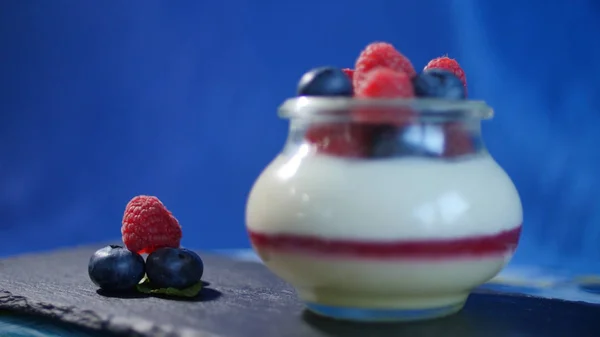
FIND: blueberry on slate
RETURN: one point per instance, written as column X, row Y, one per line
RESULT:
column 177, row 268
column 438, row 83
column 325, row 81
column 115, row 268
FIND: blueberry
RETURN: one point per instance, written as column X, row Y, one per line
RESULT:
column 174, row 268
column 115, row 268
column 325, row 81
column 413, row 140
column 438, row 83
column 386, row 142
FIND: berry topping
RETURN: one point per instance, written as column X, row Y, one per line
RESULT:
column 384, row 130
column 438, row 83
column 450, row 65
column 457, row 140
column 349, row 72
column 343, row 139
column 325, row 81
column 148, row 225
column 174, row 268
column 384, row 83
column 115, row 268
column 380, row 54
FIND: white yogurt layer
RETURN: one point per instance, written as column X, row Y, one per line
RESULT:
column 405, row 198
column 383, row 284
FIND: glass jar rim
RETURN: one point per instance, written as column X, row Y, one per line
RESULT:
column 422, row 108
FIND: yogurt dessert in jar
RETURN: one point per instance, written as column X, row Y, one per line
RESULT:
column 384, row 204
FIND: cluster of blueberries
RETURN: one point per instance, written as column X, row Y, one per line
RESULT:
column 115, row 268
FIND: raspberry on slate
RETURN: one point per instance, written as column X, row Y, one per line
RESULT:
column 451, row 65
column 148, row 225
column 384, row 83
column 340, row 139
column 380, row 54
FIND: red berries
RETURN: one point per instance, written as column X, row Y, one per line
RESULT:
column 381, row 55
column 385, row 83
column 382, row 72
column 148, row 225
column 348, row 140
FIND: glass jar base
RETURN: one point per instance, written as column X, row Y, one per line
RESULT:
column 374, row 315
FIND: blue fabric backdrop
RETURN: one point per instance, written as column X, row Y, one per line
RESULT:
column 104, row 100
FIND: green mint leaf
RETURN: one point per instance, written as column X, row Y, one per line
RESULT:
column 146, row 287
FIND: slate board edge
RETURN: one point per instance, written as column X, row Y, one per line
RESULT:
column 131, row 326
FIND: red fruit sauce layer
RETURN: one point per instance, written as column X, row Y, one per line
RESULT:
column 478, row 246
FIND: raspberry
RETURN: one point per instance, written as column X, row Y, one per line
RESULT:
column 381, row 54
column 344, row 140
column 446, row 63
column 148, row 225
column 384, row 83
column 349, row 72
column 457, row 140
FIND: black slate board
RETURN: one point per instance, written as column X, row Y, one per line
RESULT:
column 17, row 325
column 244, row 299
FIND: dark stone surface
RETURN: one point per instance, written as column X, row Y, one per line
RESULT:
column 18, row 325
column 244, row 299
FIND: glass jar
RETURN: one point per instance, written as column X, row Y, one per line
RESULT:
column 384, row 210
